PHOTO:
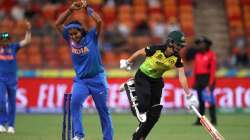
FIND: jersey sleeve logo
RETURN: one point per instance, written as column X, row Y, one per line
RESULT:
column 171, row 61
column 159, row 56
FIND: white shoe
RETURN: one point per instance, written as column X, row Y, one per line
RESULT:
column 77, row 138
column 11, row 130
column 2, row 129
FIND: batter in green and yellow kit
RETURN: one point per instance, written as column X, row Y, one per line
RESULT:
column 145, row 90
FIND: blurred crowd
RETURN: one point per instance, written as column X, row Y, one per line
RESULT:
column 238, row 15
column 128, row 26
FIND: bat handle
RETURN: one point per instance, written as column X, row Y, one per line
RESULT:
column 196, row 111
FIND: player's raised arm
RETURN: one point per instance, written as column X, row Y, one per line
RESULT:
column 94, row 15
column 27, row 38
column 64, row 16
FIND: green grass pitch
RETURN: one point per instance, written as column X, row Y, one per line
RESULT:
column 170, row 127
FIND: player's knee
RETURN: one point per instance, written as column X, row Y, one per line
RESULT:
column 153, row 116
column 75, row 103
column 154, row 113
column 145, row 103
column 103, row 110
column 143, row 107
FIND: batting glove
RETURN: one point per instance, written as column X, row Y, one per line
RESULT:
column 191, row 100
column 124, row 64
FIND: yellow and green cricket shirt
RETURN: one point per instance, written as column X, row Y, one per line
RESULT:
column 156, row 62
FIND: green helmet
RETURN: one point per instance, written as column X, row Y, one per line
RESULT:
column 177, row 37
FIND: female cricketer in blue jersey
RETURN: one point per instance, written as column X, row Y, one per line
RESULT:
column 8, row 78
column 90, row 77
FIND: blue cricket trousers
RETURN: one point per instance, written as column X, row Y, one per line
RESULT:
column 97, row 88
column 8, row 86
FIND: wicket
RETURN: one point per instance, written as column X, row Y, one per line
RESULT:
column 66, row 131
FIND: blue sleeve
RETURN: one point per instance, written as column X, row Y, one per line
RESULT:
column 66, row 34
column 15, row 46
column 93, row 33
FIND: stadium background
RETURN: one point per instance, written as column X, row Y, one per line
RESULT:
column 45, row 70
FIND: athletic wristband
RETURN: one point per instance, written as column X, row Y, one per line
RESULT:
column 90, row 11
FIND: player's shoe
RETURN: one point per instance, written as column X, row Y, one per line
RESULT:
column 2, row 129
column 77, row 138
column 129, row 88
column 11, row 130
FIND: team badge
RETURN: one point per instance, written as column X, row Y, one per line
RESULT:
column 171, row 61
column 159, row 56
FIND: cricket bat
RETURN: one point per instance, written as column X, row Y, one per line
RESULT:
column 208, row 126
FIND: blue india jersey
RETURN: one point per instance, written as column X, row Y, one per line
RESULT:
column 85, row 54
column 8, row 64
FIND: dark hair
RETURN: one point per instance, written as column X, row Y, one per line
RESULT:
column 82, row 30
column 74, row 22
column 170, row 42
column 203, row 39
